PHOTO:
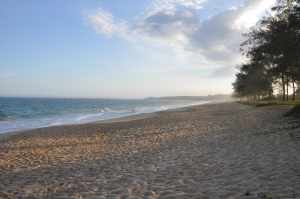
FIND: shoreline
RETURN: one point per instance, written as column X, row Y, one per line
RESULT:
column 105, row 121
column 134, row 116
column 225, row 150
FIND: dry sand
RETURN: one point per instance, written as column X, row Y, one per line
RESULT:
column 225, row 150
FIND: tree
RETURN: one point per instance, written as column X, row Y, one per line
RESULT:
column 273, row 49
column 253, row 82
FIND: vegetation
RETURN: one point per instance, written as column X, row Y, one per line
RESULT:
column 294, row 112
column 272, row 49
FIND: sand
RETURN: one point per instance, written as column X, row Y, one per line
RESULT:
column 225, row 150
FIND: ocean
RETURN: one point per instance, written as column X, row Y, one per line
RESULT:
column 29, row 113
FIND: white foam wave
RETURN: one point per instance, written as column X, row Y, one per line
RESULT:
column 101, row 114
column 89, row 116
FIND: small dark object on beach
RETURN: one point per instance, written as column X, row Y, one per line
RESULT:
column 294, row 112
column 247, row 193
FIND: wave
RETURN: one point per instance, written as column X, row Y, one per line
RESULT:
column 89, row 116
column 86, row 116
column 3, row 117
column 106, row 109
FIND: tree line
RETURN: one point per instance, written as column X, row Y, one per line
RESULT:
column 272, row 49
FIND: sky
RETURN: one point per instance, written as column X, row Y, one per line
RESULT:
column 123, row 48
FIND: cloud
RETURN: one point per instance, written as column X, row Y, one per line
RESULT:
column 216, row 39
column 252, row 12
column 172, row 27
column 223, row 71
column 105, row 23
column 177, row 23
column 171, row 5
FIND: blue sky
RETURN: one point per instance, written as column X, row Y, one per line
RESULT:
column 122, row 49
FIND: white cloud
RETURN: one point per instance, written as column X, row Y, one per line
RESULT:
column 171, row 5
column 176, row 23
column 253, row 12
column 105, row 23
column 173, row 28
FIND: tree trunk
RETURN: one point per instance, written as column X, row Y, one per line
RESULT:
column 297, row 88
column 294, row 91
column 283, row 87
column 287, row 90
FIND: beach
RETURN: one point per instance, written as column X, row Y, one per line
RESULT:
column 224, row 150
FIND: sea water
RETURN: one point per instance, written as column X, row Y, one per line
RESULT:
column 29, row 113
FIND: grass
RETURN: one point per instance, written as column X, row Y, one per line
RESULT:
column 272, row 103
column 293, row 112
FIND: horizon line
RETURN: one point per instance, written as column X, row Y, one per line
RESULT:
column 112, row 98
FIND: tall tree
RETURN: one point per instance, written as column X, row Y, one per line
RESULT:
column 274, row 46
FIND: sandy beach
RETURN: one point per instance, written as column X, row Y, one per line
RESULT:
column 225, row 150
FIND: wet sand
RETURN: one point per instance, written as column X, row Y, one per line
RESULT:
column 225, row 150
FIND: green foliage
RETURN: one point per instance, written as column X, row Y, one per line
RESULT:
column 252, row 80
column 273, row 49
